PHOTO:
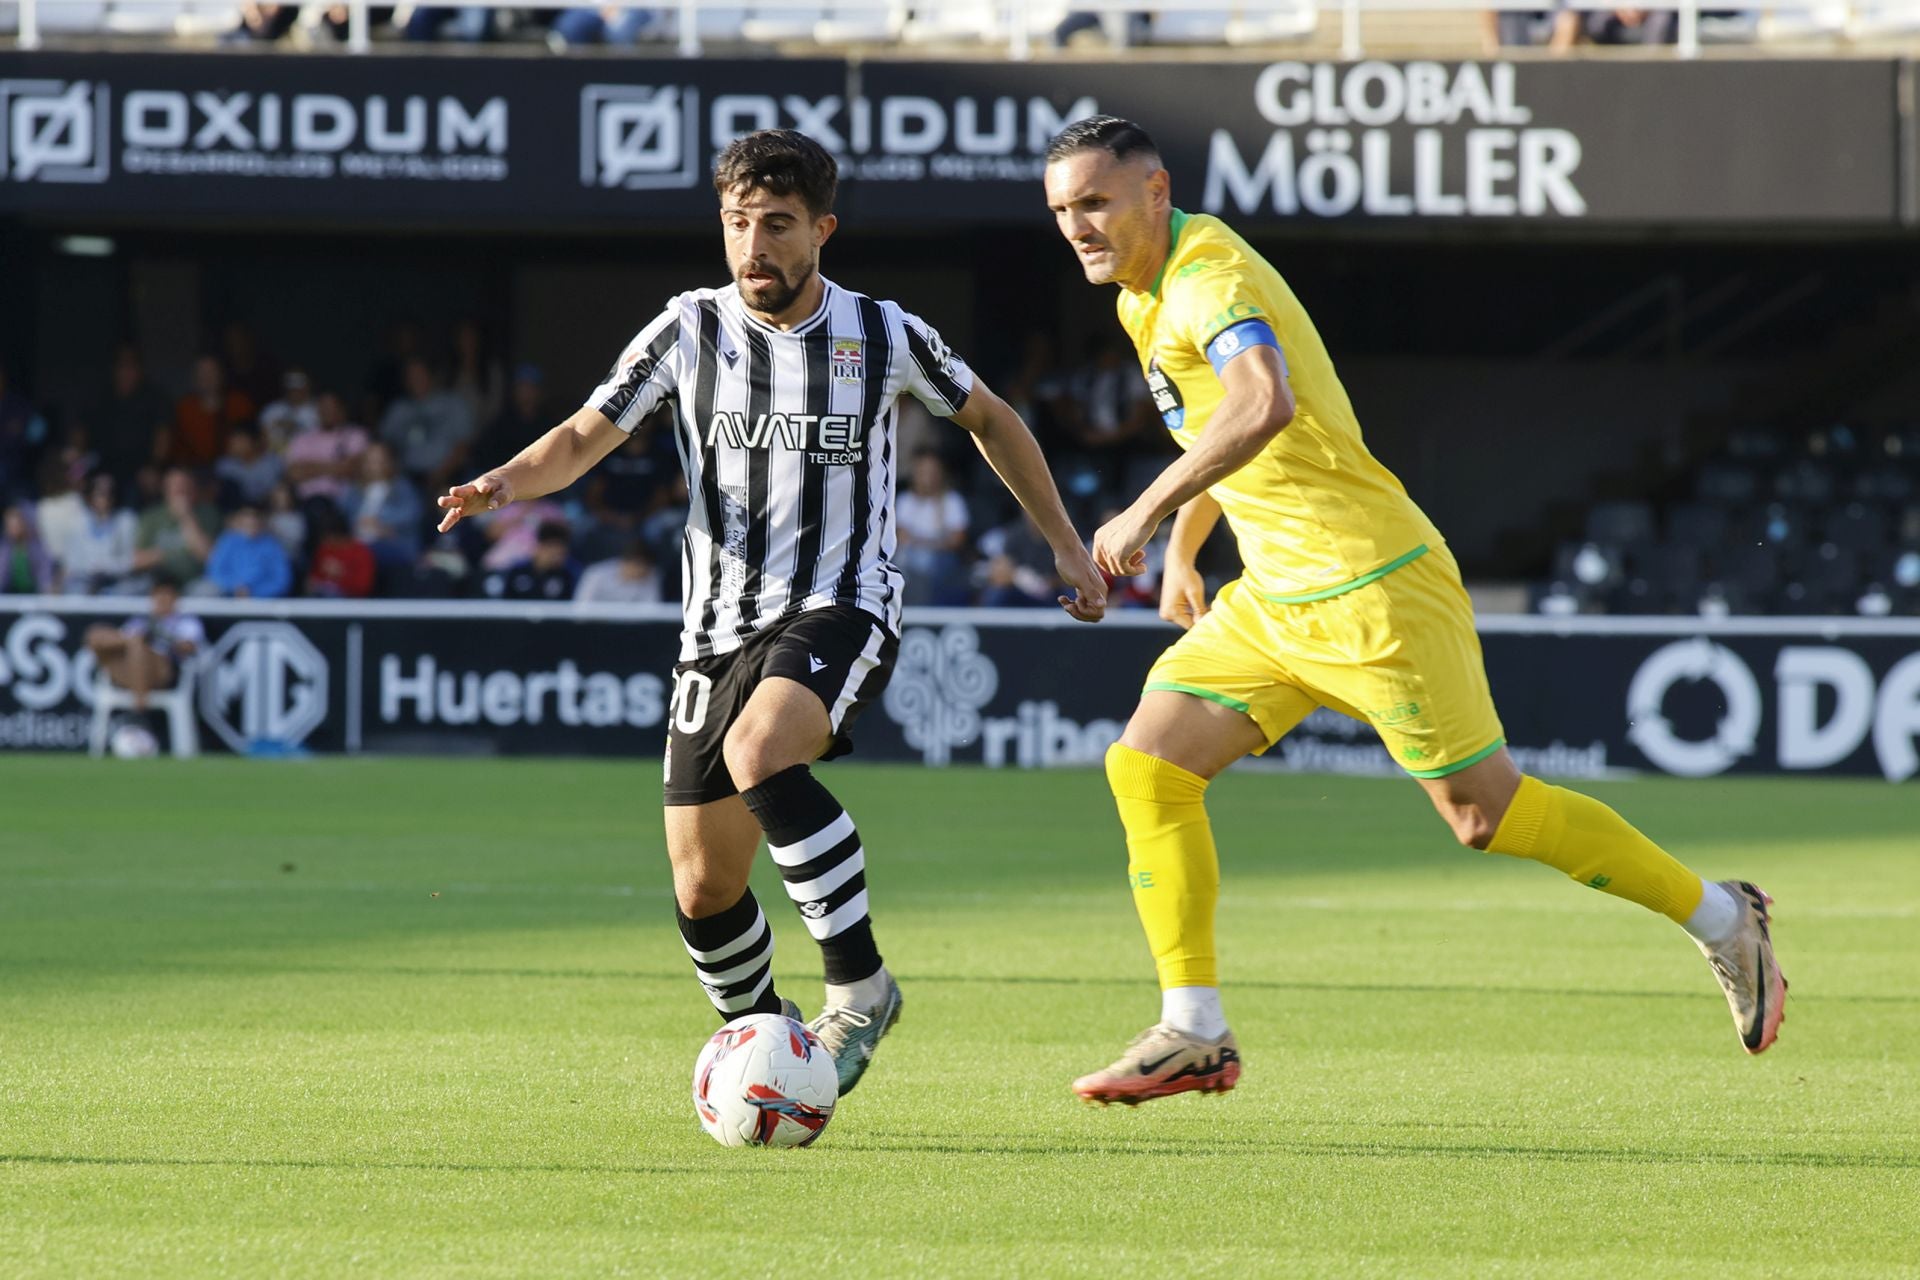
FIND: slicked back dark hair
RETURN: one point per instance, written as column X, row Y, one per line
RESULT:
column 1121, row 139
column 781, row 162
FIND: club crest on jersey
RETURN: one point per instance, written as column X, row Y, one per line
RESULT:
column 847, row 361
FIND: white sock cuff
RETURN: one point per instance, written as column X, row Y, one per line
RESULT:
column 1717, row 916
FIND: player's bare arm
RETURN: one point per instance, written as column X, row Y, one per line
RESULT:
column 1183, row 591
column 548, row 465
column 1010, row 449
column 1258, row 406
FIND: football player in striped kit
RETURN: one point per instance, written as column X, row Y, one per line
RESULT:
column 783, row 388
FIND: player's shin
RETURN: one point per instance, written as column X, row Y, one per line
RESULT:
column 733, row 957
column 1175, row 875
column 1596, row 846
column 818, row 851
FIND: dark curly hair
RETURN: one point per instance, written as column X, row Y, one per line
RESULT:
column 781, row 162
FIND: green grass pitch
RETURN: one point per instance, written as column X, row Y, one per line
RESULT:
column 371, row 1018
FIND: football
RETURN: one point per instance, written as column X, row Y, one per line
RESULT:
column 764, row 1081
column 133, row 742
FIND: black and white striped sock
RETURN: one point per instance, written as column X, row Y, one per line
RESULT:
column 814, row 842
column 733, row 957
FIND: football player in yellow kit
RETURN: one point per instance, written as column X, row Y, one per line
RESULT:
column 1348, row 599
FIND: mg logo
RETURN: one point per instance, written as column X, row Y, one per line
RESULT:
column 940, row 683
column 53, row 131
column 639, row 138
column 266, row 683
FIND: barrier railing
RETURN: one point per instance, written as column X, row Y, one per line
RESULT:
column 1016, row 23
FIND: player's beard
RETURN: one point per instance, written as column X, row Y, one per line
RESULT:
column 775, row 298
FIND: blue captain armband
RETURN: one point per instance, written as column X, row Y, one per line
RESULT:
column 1236, row 338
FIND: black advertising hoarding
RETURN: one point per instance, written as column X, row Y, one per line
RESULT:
column 985, row 687
column 500, row 141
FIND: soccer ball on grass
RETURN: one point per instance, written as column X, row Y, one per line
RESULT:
column 764, row 1081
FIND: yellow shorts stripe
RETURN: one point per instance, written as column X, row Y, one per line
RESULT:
column 1352, row 584
column 1170, row 686
column 1458, row 765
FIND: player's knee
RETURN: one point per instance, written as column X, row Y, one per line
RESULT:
column 702, row 892
column 753, row 755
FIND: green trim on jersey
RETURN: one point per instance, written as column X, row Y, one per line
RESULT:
column 1175, row 225
column 1468, row 763
column 1168, row 686
column 1327, row 593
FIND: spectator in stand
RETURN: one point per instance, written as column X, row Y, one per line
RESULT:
column 627, row 485
column 1137, row 29
column 203, row 418
column 293, row 415
column 467, row 24
column 932, row 522
column 324, row 462
column 1633, row 26
column 1108, row 402
column 631, row 578
column 608, row 24
column 131, row 422
column 252, row 372
column 248, row 472
column 342, row 565
column 22, row 432
column 429, row 429
column 26, row 567
column 286, row 522
column 386, row 509
column 1016, row 566
column 247, row 561
column 1037, row 387
column 61, row 511
column 96, row 556
column 521, row 420
column 479, row 379
column 1558, row 28
column 176, row 536
column 262, row 23
column 144, row 654
column 387, row 381
column 549, row 574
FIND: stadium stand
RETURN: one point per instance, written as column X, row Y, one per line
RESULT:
column 1821, row 522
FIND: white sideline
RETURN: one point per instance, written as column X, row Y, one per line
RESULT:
column 1036, row 619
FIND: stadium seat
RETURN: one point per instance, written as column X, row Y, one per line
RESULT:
column 58, row 16
column 1727, row 483
column 772, row 23
column 1695, row 524
column 1857, row 527
column 183, row 723
column 1289, row 20
column 958, row 20
column 1805, row 481
column 1191, row 26
column 860, row 23
column 1621, row 523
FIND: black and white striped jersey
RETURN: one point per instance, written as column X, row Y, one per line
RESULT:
column 787, row 438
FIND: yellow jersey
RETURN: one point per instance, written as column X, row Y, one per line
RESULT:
column 1314, row 512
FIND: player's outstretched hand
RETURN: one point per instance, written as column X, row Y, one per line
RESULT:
column 488, row 493
column 1183, row 594
column 1120, row 547
column 1088, row 602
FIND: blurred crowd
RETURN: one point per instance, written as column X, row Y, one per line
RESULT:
column 240, row 477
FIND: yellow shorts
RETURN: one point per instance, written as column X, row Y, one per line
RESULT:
column 1400, row 653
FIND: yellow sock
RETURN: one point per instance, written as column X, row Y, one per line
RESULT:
column 1171, row 862
column 1596, row 846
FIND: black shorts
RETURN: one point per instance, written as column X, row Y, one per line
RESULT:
column 844, row 655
